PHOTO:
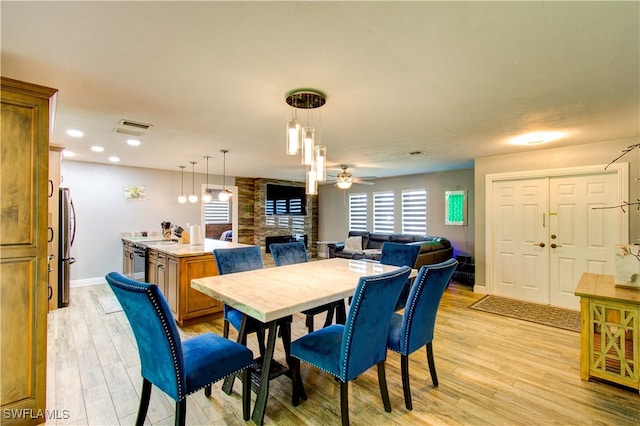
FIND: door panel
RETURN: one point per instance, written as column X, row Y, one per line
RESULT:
column 521, row 267
column 585, row 237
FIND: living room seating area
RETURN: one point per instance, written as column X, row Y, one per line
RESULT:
column 368, row 245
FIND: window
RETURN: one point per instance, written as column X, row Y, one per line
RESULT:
column 217, row 212
column 383, row 209
column 357, row 212
column 414, row 211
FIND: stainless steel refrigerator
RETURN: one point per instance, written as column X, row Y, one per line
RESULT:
column 67, row 235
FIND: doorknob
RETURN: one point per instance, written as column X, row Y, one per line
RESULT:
column 555, row 245
column 539, row 244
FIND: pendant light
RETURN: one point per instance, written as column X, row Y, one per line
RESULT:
column 225, row 194
column 293, row 134
column 303, row 99
column 206, row 197
column 193, row 198
column 321, row 163
column 182, row 199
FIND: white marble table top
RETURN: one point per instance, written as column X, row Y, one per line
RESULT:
column 273, row 293
column 173, row 248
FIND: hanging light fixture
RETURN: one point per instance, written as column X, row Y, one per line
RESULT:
column 182, row 199
column 344, row 179
column 321, row 163
column 225, row 194
column 206, row 197
column 193, row 198
column 308, row 99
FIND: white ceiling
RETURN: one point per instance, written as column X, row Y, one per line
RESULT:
column 456, row 80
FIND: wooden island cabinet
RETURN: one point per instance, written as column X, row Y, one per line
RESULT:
column 172, row 266
column 609, row 331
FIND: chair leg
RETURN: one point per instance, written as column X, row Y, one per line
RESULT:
column 406, row 388
column 432, row 364
column 225, row 329
column 144, row 402
column 181, row 412
column 309, row 323
column 384, row 392
column 207, row 391
column 246, row 393
column 298, row 386
column 344, row 402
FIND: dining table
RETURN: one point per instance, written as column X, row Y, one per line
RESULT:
column 273, row 293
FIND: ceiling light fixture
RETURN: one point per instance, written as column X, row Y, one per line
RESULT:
column 97, row 148
column 133, row 142
column 182, row 199
column 303, row 139
column 536, row 138
column 206, row 197
column 344, row 179
column 225, row 194
column 75, row 133
column 114, row 159
column 193, row 198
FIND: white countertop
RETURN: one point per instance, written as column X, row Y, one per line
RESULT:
column 173, row 248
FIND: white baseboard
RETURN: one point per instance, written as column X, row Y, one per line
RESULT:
column 87, row 282
column 480, row 289
column 99, row 280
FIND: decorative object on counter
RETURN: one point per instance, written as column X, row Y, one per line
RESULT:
column 166, row 230
column 195, row 235
column 225, row 194
column 193, row 198
column 628, row 266
column 182, row 199
column 206, row 197
column 134, row 193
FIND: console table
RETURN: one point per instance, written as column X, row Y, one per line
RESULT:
column 609, row 331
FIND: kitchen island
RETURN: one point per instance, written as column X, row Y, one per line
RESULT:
column 172, row 266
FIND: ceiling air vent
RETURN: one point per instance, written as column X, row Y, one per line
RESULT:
column 137, row 125
column 128, row 132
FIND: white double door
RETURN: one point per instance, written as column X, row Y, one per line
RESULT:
column 546, row 233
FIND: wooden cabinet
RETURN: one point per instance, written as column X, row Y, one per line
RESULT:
column 55, row 156
column 24, row 161
column 188, row 305
column 157, row 269
column 128, row 260
column 609, row 331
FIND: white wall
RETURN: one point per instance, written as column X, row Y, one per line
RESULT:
column 333, row 206
column 584, row 155
column 102, row 214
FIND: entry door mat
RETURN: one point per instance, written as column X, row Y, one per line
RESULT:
column 532, row 312
column 110, row 304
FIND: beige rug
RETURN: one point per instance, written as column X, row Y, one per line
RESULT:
column 533, row 312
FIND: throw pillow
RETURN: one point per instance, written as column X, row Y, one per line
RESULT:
column 353, row 245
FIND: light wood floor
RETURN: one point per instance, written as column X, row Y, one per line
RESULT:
column 492, row 370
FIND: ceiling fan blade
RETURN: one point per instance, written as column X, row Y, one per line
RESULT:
column 363, row 182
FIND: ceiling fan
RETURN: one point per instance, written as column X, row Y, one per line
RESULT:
column 344, row 179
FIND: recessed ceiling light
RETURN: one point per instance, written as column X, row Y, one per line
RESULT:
column 133, row 142
column 75, row 133
column 68, row 154
column 97, row 149
column 536, row 138
column 114, row 159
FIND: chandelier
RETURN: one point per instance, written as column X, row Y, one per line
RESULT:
column 302, row 139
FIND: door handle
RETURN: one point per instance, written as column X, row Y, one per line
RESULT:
column 554, row 245
column 539, row 244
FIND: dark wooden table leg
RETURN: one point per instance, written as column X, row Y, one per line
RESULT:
column 263, row 392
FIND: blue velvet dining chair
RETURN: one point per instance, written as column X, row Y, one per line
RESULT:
column 233, row 260
column 176, row 367
column 400, row 255
column 346, row 351
column 414, row 328
column 241, row 259
column 295, row 252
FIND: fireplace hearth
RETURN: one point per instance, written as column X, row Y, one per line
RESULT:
column 283, row 239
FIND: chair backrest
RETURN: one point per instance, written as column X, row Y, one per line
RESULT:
column 399, row 254
column 419, row 315
column 288, row 253
column 238, row 259
column 156, row 333
column 364, row 342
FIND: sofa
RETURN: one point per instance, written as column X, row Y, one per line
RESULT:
column 432, row 249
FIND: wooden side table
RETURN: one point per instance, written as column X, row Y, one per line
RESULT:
column 609, row 331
